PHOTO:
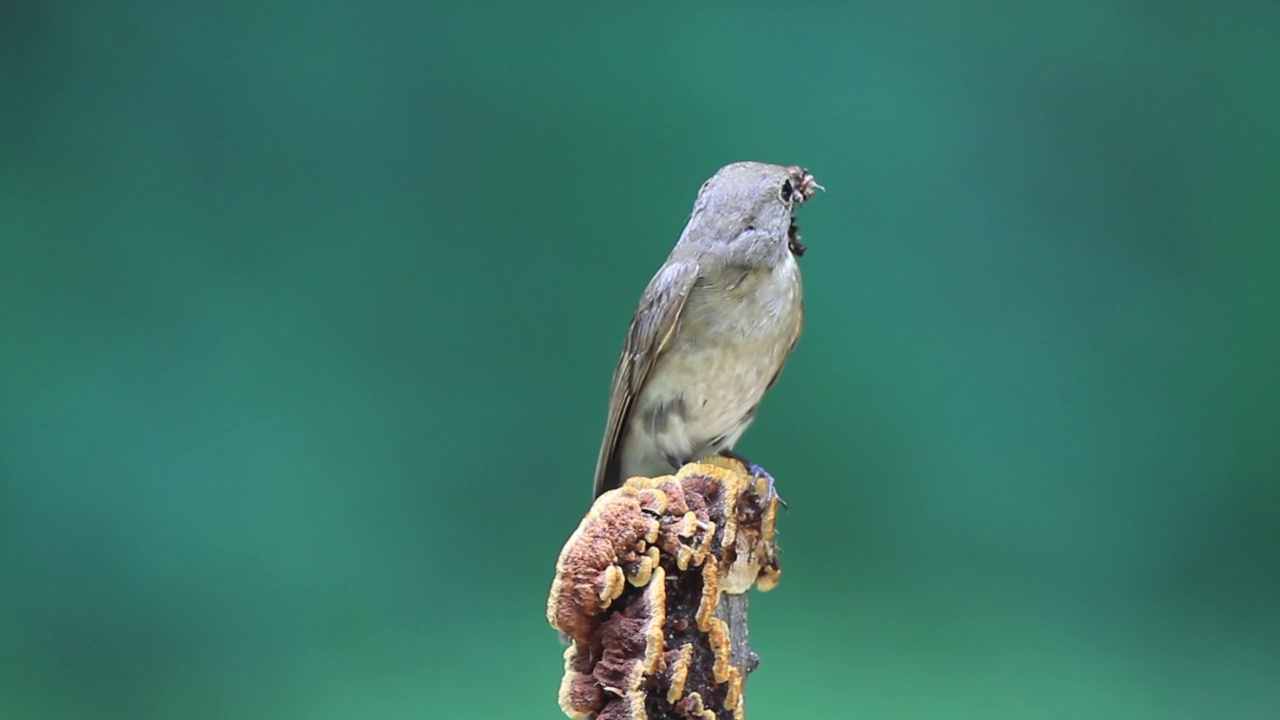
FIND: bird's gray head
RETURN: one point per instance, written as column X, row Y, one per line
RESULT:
column 743, row 215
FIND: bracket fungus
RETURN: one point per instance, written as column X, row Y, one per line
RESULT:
column 637, row 588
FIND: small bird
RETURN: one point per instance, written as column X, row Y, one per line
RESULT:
column 713, row 327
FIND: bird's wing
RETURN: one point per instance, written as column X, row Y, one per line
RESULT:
column 651, row 330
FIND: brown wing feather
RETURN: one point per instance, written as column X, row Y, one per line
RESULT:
column 651, row 329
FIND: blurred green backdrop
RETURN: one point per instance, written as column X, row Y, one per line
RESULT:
column 308, row 312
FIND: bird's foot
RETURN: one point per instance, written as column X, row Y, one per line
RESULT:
column 757, row 473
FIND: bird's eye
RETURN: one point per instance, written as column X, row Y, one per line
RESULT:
column 787, row 192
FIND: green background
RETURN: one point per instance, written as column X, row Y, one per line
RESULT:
column 308, row 312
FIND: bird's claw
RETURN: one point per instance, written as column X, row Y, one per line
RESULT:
column 759, row 473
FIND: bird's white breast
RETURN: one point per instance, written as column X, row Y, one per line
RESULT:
column 731, row 340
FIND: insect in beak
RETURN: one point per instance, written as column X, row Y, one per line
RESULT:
column 803, row 183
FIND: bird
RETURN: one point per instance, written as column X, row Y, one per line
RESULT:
column 712, row 329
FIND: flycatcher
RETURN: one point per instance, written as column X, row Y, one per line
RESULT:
column 713, row 327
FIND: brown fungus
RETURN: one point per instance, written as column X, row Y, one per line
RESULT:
column 637, row 587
